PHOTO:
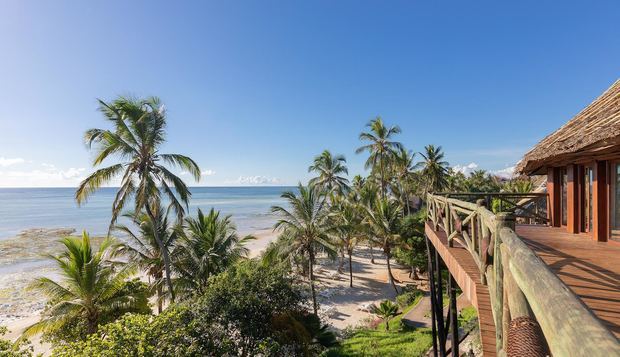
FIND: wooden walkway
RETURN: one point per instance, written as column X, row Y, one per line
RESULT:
column 466, row 273
column 590, row 269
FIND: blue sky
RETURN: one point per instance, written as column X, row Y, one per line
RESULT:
column 255, row 89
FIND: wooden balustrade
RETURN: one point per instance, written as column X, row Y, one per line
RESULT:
column 519, row 283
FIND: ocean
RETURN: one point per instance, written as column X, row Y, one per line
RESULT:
column 27, row 208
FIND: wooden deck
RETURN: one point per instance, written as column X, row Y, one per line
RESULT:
column 466, row 273
column 590, row 269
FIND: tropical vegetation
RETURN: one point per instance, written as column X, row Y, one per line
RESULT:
column 211, row 299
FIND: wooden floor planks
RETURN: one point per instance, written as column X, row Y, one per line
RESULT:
column 590, row 269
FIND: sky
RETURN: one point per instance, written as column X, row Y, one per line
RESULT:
column 255, row 89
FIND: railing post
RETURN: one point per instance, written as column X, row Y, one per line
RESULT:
column 502, row 220
column 481, row 247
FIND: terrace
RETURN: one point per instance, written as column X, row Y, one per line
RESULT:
column 538, row 289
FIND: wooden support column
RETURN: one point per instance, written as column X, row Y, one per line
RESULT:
column 555, row 197
column 572, row 195
column 599, row 202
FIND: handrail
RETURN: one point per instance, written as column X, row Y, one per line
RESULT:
column 569, row 326
column 519, row 283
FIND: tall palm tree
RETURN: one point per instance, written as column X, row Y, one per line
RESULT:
column 403, row 167
column 330, row 170
column 143, row 249
column 383, row 220
column 209, row 246
column 434, row 168
column 90, row 289
column 138, row 133
column 347, row 227
column 380, row 147
column 305, row 225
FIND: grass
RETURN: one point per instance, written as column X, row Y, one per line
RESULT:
column 399, row 341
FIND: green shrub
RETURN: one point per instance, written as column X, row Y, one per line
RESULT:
column 408, row 297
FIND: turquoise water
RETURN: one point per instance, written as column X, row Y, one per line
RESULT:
column 25, row 208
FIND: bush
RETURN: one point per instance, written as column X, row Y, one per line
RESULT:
column 408, row 297
column 248, row 310
column 21, row 348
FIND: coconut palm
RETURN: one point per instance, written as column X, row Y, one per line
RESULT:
column 90, row 290
column 330, row 170
column 347, row 228
column 305, row 226
column 138, row 133
column 380, row 147
column 386, row 310
column 383, row 220
column 142, row 248
column 209, row 246
column 434, row 168
column 402, row 167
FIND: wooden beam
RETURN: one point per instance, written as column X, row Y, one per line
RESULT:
column 553, row 189
column 599, row 204
column 572, row 193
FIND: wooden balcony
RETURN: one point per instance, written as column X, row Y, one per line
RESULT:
column 590, row 269
column 569, row 284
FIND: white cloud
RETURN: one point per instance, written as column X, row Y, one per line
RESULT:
column 48, row 176
column 256, row 180
column 5, row 162
column 202, row 173
column 506, row 173
column 466, row 169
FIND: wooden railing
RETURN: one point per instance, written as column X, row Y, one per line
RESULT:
column 520, row 284
column 529, row 208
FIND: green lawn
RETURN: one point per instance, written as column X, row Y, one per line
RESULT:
column 399, row 341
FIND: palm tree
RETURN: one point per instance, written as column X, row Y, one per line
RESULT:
column 346, row 225
column 209, row 246
column 330, row 169
column 380, row 147
column 403, row 167
column 383, row 220
column 90, row 289
column 305, row 225
column 144, row 250
column 139, row 131
column 434, row 168
column 386, row 310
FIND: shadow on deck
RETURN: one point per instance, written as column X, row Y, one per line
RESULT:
column 590, row 269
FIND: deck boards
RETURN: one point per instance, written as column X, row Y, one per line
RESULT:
column 590, row 269
column 465, row 271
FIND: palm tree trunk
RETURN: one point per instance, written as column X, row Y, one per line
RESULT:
column 372, row 254
column 160, row 303
column 389, row 268
column 350, row 269
column 311, row 266
column 341, row 264
column 164, row 252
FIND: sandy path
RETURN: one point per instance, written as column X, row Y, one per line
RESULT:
column 341, row 303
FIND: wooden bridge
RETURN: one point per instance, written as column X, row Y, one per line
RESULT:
column 560, row 288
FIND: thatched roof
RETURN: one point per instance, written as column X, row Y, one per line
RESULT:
column 595, row 127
